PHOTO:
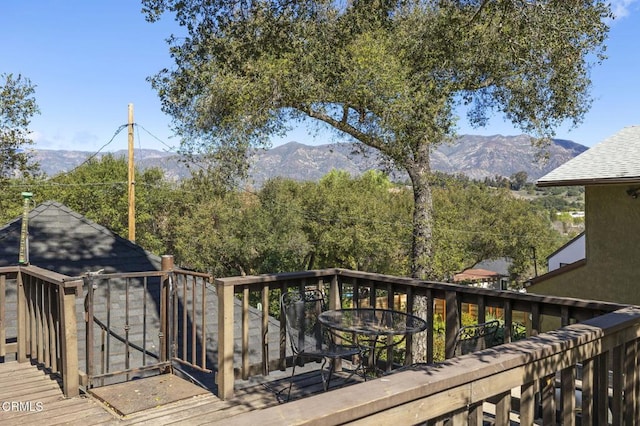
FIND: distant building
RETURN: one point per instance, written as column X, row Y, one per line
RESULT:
column 493, row 274
column 569, row 253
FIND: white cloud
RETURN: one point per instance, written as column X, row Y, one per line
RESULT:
column 621, row 8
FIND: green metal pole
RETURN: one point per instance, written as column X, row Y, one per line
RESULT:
column 24, row 234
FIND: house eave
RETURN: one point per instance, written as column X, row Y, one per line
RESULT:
column 562, row 270
column 589, row 181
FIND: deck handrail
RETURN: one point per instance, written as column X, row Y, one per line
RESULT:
column 46, row 324
column 42, row 307
column 457, row 388
column 335, row 280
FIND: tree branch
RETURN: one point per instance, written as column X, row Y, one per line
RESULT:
column 343, row 126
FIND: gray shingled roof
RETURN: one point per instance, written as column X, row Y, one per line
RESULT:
column 614, row 160
column 64, row 241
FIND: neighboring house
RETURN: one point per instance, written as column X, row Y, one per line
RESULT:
column 569, row 253
column 610, row 173
column 493, row 274
column 66, row 242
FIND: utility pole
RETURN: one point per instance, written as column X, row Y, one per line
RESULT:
column 131, row 181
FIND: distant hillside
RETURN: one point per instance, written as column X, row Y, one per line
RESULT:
column 475, row 156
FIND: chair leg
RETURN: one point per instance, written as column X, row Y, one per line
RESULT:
column 331, row 367
column 293, row 372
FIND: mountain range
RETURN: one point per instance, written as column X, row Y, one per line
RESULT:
column 474, row 156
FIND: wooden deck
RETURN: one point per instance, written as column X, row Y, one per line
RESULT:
column 29, row 396
column 38, row 399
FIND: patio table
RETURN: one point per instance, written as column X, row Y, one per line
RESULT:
column 372, row 329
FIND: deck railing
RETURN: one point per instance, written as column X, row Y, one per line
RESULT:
column 542, row 313
column 42, row 326
column 133, row 323
column 594, row 343
column 584, row 373
column 141, row 323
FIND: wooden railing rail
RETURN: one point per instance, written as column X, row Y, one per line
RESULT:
column 525, row 372
column 374, row 290
column 43, row 306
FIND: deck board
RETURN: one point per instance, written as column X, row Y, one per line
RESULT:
column 42, row 400
column 27, row 383
column 144, row 394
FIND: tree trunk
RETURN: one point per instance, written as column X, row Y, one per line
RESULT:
column 422, row 244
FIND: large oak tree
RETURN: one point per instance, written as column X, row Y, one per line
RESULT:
column 387, row 74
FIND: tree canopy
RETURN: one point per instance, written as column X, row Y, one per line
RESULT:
column 388, row 74
column 17, row 107
column 98, row 190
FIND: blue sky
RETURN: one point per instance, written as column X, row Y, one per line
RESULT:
column 90, row 59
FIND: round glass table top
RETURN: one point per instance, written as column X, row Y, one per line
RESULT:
column 371, row 321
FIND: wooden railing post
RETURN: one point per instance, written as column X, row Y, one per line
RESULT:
column 225, row 377
column 166, row 264
column 67, row 295
column 452, row 323
column 3, row 324
column 21, row 309
column 334, row 293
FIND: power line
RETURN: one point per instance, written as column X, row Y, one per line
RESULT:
column 349, row 220
column 170, row 148
column 118, row 130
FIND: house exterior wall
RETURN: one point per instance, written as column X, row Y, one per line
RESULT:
column 612, row 268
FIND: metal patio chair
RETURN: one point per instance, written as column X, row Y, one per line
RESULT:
column 476, row 337
column 309, row 340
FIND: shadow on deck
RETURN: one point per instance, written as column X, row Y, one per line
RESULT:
column 165, row 399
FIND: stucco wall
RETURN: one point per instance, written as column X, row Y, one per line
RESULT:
column 612, row 269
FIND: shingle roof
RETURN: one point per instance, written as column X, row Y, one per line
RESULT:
column 614, row 160
column 64, row 241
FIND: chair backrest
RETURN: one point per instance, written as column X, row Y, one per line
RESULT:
column 301, row 310
column 476, row 337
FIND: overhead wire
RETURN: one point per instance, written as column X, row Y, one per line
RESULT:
column 350, row 219
column 95, row 154
column 170, row 148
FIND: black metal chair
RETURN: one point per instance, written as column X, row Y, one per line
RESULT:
column 472, row 338
column 308, row 339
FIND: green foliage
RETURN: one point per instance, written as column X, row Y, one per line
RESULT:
column 17, row 107
column 387, row 74
column 518, row 180
column 359, row 223
column 98, row 190
column 474, row 222
column 11, row 202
